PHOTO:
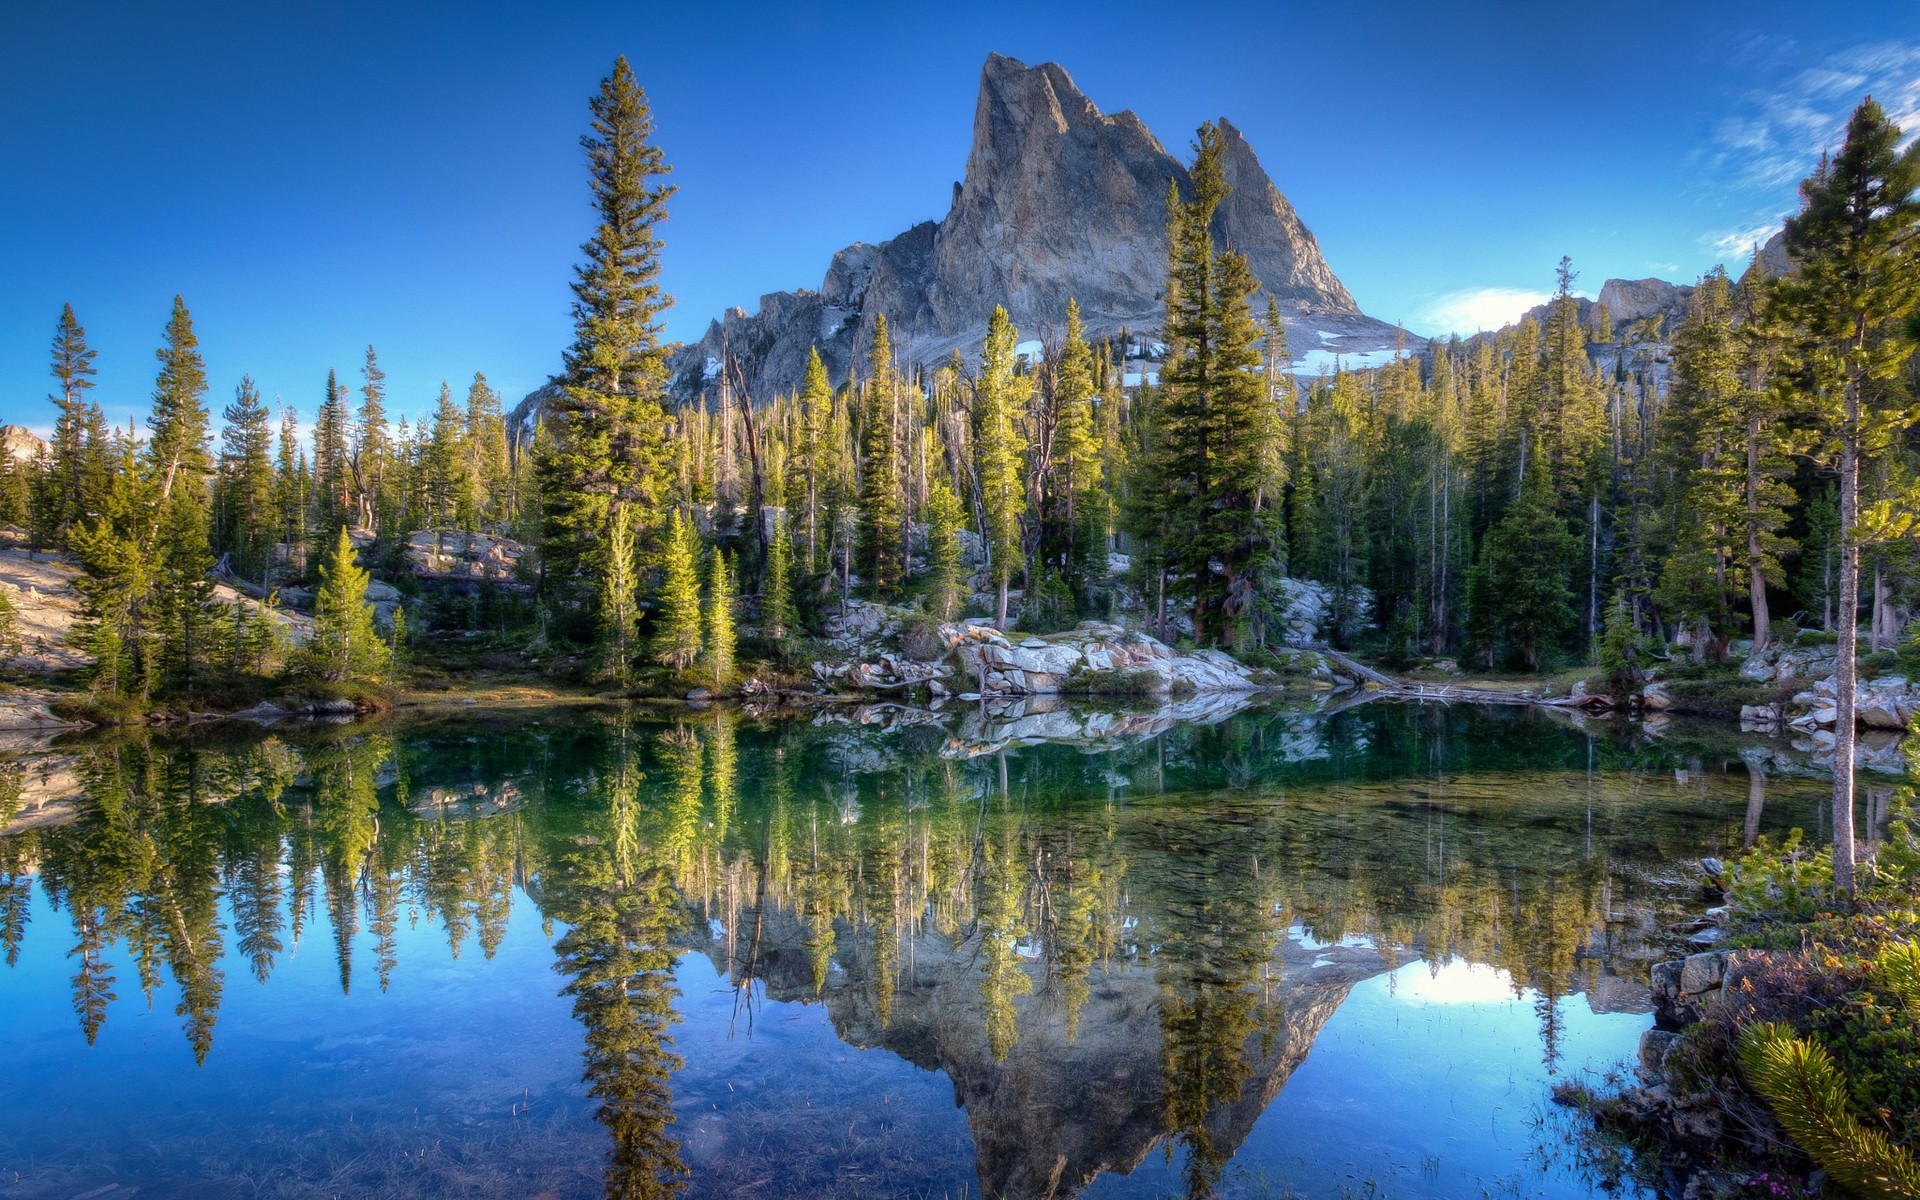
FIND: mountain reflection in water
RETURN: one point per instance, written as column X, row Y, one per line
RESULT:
column 1111, row 946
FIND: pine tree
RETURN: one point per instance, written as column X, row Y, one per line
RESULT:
column 606, row 429
column 290, row 490
column 946, row 573
column 177, row 445
column 74, row 372
column 1075, row 471
column 332, row 471
column 372, row 448
column 1526, row 569
column 777, row 617
column 346, row 646
column 1848, row 308
column 719, row 622
column 997, row 397
column 676, row 640
column 243, row 517
column 179, row 461
column 443, row 465
column 1215, row 427
column 816, row 421
column 619, row 607
column 488, row 467
column 880, row 497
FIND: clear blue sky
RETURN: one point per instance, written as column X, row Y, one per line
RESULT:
column 316, row 176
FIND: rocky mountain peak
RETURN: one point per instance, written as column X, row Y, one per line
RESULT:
column 1059, row 200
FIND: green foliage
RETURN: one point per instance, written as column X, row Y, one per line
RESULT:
column 1521, row 596
column 1783, row 881
column 719, row 623
column 945, row 571
column 1212, row 467
column 603, row 439
column 1620, row 650
column 619, row 611
column 919, row 637
column 1884, row 662
column 778, row 620
column 882, row 559
column 998, row 397
column 1811, row 1098
column 676, row 638
column 1048, row 607
column 346, row 646
column 10, row 643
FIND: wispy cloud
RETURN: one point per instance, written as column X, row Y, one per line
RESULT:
column 1735, row 246
column 1777, row 136
column 1474, row 309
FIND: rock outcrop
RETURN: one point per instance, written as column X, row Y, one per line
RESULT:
column 21, row 444
column 1637, row 299
column 1093, row 656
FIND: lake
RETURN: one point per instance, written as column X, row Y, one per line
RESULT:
column 1051, row 951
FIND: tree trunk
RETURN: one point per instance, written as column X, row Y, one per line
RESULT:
column 1886, row 634
column 1849, row 620
column 1160, row 606
column 1756, row 802
column 1000, row 614
column 1756, row 558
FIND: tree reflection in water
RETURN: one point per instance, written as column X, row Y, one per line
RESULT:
column 1105, row 948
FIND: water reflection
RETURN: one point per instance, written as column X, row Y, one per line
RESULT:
column 1121, row 942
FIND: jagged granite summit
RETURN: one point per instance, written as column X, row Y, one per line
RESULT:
column 1059, row 200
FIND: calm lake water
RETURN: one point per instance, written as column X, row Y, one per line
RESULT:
column 568, row 955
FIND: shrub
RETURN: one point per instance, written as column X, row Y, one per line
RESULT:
column 1816, row 637
column 1811, row 1098
column 1784, row 881
column 920, row 639
column 1883, row 662
column 1049, row 606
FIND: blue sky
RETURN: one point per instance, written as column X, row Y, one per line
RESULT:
column 319, row 176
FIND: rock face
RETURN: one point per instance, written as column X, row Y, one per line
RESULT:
column 20, row 444
column 1059, row 200
column 1635, row 299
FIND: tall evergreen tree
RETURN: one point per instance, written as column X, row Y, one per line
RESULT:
column 488, row 468
column 812, row 451
column 1215, row 426
column 244, row 524
column 332, row 469
column 604, row 460
column 998, row 445
column 946, row 572
column 1849, row 303
column 177, row 441
column 676, row 638
column 719, row 622
column 372, row 448
column 179, row 460
column 74, row 372
column 881, row 560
